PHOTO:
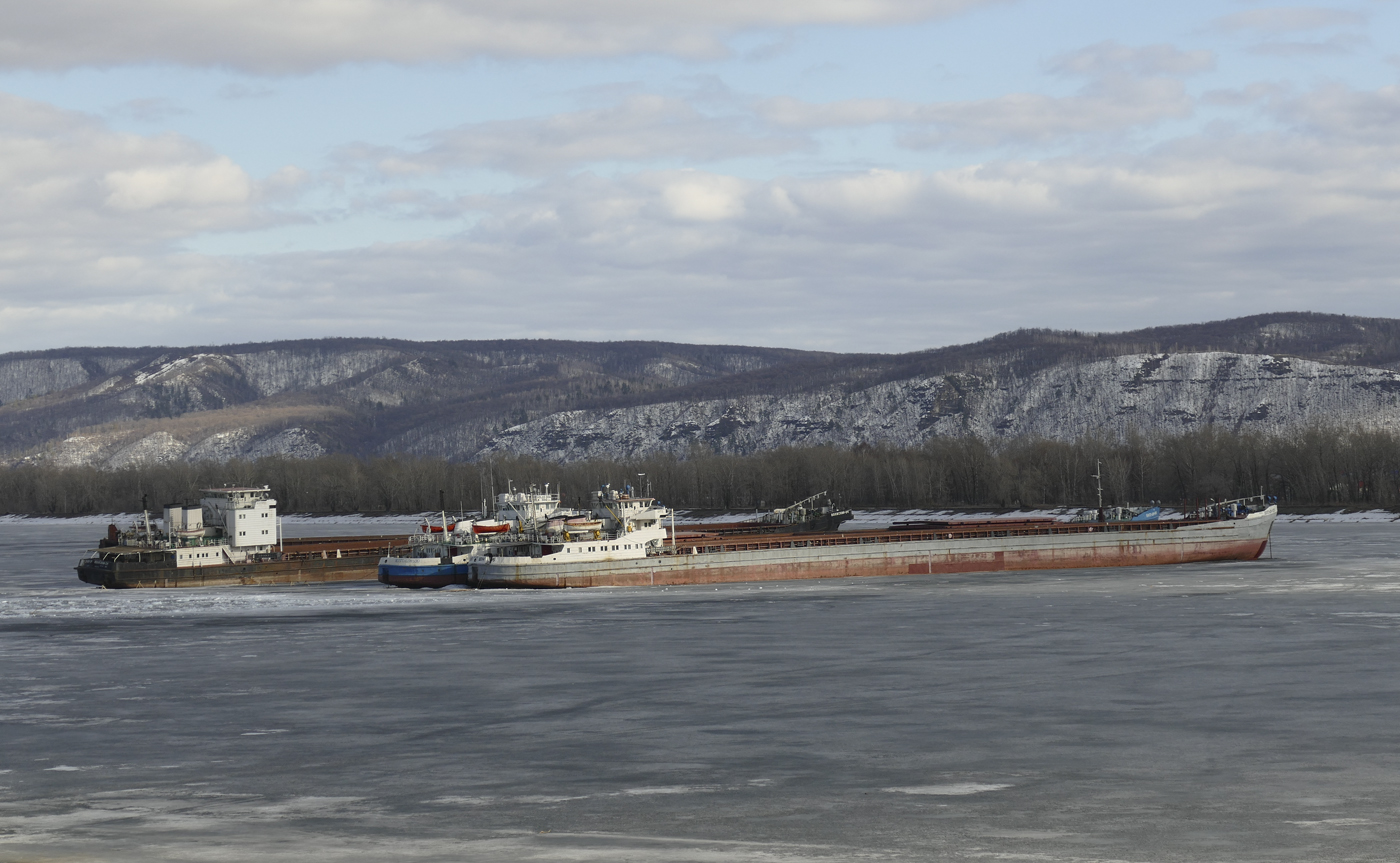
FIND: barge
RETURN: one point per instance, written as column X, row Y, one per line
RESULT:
column 233, row 536
column 633, row 547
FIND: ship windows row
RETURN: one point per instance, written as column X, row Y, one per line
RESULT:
column 627, row 545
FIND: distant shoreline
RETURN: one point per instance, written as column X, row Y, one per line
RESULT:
column 864, row 517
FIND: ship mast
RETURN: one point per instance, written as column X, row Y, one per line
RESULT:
column 1098, row 479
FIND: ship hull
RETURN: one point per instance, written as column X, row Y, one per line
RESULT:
column 890, row 553
column 124, row 574
column 438, row 575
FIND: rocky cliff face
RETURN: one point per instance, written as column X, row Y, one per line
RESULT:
column 113, row 407
column 113, row 451
column 25, row 379
column 1146, row 392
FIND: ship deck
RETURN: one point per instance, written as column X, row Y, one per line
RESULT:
column 979, row 547
column 702, row 543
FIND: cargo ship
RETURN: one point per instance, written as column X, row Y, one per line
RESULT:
column 439, row 552
column 633, row 546
column 232, row 536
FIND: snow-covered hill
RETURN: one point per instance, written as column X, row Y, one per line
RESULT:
column 1147, row 392
column 116, row 450
column 114, row 407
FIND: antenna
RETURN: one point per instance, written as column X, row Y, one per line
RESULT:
column 1098, row 478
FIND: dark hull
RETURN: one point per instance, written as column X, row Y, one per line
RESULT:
column 121, row 573
column 414, row 581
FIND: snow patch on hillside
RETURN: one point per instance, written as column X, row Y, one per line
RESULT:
column 274, row 371
column 115, row 451
column 1167, row 392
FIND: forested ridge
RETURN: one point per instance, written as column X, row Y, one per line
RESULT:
column 1316, row 467
column 117, row 407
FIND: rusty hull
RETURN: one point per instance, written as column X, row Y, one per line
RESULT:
column 884, row 553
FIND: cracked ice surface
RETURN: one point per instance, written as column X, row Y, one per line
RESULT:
column 1225, row 712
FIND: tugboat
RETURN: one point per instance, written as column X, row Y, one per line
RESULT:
column 438, row 553
column 434, row 556
column 619, row 526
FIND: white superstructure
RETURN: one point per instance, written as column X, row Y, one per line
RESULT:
column 618, row 526
column 229, row 525
column 526, row 509
column 246, row 516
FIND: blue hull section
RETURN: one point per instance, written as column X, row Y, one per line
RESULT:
column 440, row 575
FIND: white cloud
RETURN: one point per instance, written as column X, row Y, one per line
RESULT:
column 704, row 197
column 1223, row 222
column 1289, row 19
column 890, row 260
column 149, row 110
column 217, row 181
column 1340, row 113
column 1341, row 43
column 93, row 217
column 1331, row 113
column 1110, row 57
column 1106, row 105
column 1274, row 22
column 1128, row 87
column 870, row 196
column 280, row 36
column 641, row 128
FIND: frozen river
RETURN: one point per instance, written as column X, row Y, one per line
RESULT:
column 1220, row 712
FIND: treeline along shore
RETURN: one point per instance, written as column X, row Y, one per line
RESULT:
column 1315, row 467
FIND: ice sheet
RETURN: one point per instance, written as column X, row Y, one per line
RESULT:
column 1229, row 712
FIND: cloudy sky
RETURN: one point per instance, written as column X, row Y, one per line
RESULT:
column 872, row 175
